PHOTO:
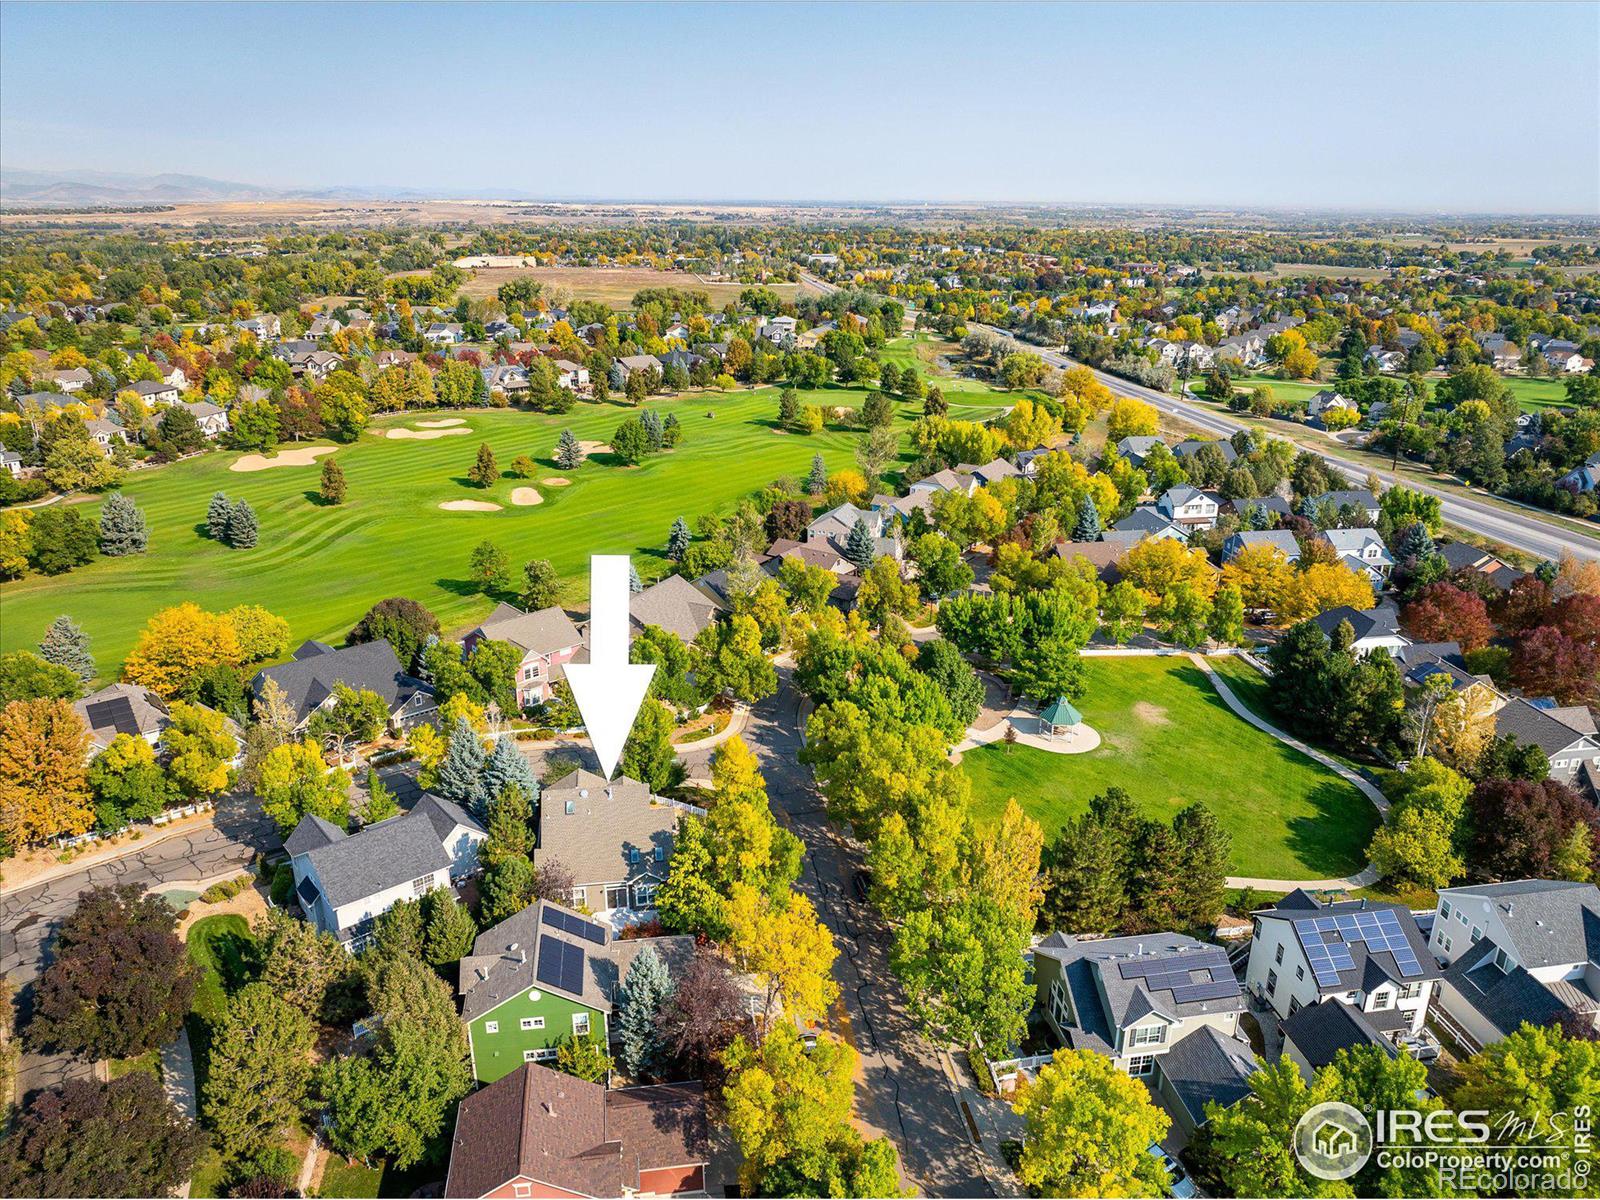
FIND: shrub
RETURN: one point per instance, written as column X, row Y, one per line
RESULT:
column 226, row 890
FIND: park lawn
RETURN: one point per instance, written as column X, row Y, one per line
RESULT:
column 1168, row 740
column 1535, row 394
column 321, row 567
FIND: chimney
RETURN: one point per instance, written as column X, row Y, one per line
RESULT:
column 522, row 956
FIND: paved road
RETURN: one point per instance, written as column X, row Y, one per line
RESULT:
column 1525, row 532
column 29, row 915
column 904, row 1091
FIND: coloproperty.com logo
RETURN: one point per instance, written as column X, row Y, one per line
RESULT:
column 1473, row 1150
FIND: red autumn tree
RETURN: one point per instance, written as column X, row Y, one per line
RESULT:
column 1445, row 613
column 1547, row 662
column 1578, row 616
column 1519, row 825
column 1526, row 606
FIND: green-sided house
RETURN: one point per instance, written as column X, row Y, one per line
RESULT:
column 544, row 975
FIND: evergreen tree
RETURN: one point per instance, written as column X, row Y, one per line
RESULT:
column 643, row 993
column 122, row 527
column 460, row 776
column 67, row 645
column 654, row 432
column 635, row 584
column 218, row 515
column 485, row 471
column 506, row 767
column 448, row 930
column 242, row 531
column 788, row 407
column 510, row 828
column 1416, row 542
column 333, row 487
column 569, row 455
column 671, row 431
column 1088, row 526
column 260, row 1069
column 817, row 480
column 858, row 548
column 381, row 803
column 678, row 540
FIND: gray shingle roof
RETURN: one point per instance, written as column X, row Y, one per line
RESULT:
column 1207, row 1066
column 609, row 822
column 1369, row 967
column 312, row 833
column 1550, row 922
column 1320, row 1031
column 541, row 632
column 677, row 606
column 1114, row 981
column 1508, row 998
column 391, row 852
column 371, row 666
column 1382, row 621
column 1534, row 726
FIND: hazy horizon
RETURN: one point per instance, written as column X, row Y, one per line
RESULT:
column 1417, row 109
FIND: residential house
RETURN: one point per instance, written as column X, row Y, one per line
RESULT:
column 834, row 527
column 346, row 881
column 1358, row 499
column 105, row 432
column 779, row 331
column 1328, row 400
column 677, row 606
column 153, row 392
column 990, row 472
column 1566, row 735
column 499, row 328
column 544, row 975
column 1188, row 507
column 1389, row 361
column 318, row 364
column 1315, row 1035
column 944, row 481
column 266, row 328
column 122, row 708
column 616, row 839
column 625, row 366
column 539, row 1132
column 1262, row 508
column 443, row 333
column 1027, row 460
column 572, row 376
column 1362, row 550
column 510, row 378
column 1585, row 478
column 1360, row 952
column 1188, row 448
column 308, row 681
column 1376, row 628
column 548, row 640
column 72, row 380
column 322, row 327
column 1145, row 521
column 1137, row 449
column 1568, row 362
column 1280, row 540
column 11, row 463
column 393, row 358
column 1523, row 951
column 213, row 421
column 1101, row 556
column 1162, row 1006
column 1463, row 556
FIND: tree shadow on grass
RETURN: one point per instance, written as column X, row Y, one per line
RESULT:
column 1334, row 841
column 319, row 500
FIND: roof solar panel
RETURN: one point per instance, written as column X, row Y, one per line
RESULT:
column 574, row 924
column 113, row 714
column 1219, row 989
column 548, row 969
column 571, row 968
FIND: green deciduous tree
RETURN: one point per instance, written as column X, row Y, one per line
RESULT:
column 333, row 485
column 294, row 782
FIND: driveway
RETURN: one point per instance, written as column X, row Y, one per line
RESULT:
column 29, row 915
column 902, row 1090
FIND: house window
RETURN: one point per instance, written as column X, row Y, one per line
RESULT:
column 644, row 895
column 422, row 885
column 1410, row 991
column 1272, row 983
column 1141, row 1065
column 521, row 1190
column 1148, row 1035
column 616, row 897
column 528, row 1023
column 1382, row 1000
column 580, row 1024
column 1477, row 932
column 491, row 1026
column 1278, row 957
column 544, row 1054
column 1294, row 1005
column 1502, row 960
column 1299, row 972
column 1461, row 916
column 579, row 897
column 1444, row 943
column 1059, row 1008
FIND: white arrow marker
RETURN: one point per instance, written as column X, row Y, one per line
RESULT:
column 608, row 688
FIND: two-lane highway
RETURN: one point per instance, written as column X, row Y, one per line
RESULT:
column 1525, row 532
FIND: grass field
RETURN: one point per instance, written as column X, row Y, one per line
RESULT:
column 1532, row 394
column 1168, row 741
column 615, row 286
column 321, row 567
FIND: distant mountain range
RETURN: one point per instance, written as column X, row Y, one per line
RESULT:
column 23, row 188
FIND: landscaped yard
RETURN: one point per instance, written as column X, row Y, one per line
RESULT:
column 1168, row 741
column 321, row 567
column 220, row 947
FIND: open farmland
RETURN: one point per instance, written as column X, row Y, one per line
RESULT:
column 615, row 286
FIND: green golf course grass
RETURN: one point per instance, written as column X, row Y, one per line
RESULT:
column 1168, row 740
column 320, row 567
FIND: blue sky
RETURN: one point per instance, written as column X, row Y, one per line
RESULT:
column 1452, row 107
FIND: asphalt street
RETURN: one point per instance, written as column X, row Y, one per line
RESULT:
column 903, row 1089
column 1524, row 532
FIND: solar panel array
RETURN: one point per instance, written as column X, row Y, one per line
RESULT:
column 1327, row 942
column 560, row 965
column 1176, row 975
column 113, row 714
column 576, row 925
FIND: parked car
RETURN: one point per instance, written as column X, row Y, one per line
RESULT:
column 1178, row 1182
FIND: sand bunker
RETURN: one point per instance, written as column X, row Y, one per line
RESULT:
column 556, row 481
column 295, row 456
column 469, row 506
column 422, row 435
column 442, row 423
column 524, row 496
column 594, row 447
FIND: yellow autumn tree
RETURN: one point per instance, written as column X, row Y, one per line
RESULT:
column 1131, row 418
column 1263, row 575
column 1322, row 586
column 789, row 951
column 1157, row 565
column 44, row 780
column 1029, row 424
column 179, row 643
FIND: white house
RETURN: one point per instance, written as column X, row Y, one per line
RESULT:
column 213, row 421
column 1162, row 1006
column 1188, row 507
column 1362, row 550
column 1355, row 952
column 571, row 375
column 345, row 882
column 443, row 333
column 1375, row 628
column 1514, row 952
column 154, row 393
column 1327, row 401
